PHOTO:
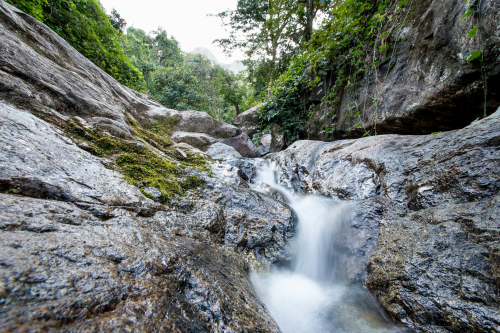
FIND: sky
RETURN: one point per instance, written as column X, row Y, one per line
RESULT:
column 186, row 20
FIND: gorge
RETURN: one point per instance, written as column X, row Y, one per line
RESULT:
column 119, row 214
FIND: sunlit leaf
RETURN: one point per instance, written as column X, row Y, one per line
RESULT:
column 474, row 55
column 472, row 33
column 467, row 14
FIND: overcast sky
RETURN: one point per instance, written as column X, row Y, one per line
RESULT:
column 186, row 20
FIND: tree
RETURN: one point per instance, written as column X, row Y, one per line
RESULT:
column 116, row 21
column 270, row 32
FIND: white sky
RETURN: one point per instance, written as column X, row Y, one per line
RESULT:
column 186, row 20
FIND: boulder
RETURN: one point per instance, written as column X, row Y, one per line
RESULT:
column 243, row 145
column 202, row 122
column 222, row 151
column 425, row 233
column 264, row 146
column 248, row 121
column 198, row 140
column 424, row 83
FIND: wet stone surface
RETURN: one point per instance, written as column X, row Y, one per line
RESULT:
column 424, row 238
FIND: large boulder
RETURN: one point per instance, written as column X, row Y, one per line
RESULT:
column 248, row 121
column 198, row 140
column 424, row 83
column 202, row 122
column 426, row 224
column 243, row 145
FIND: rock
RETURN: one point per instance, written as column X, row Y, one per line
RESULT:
column 438, row 269
column 50, row 79
column 198, row 140
column 413, row 172
column 257, row 226
column 243, row 145
column 222, row 151
column 426, row 223
column 153, row 191
column 248, row 121
column 264, row 146
column 63, row 269
column 37, row 160
column 425, row 83
column 202, row 122
column 265, row 188
column 277, row 139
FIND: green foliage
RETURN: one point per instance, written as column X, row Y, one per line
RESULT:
column 351, row 41
column 270, row 32
column 177, row 88
column 85, row 25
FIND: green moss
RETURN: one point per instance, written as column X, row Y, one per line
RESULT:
column 163, row 168
column 163, row 126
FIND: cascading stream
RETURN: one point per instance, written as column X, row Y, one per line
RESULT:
column 309, row 297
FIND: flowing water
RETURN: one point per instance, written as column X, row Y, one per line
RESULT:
column 309, row 296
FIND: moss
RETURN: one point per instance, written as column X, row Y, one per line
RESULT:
column 163, row 168
column 163, row 126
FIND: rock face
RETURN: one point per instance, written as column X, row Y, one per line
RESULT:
column 426, row 224
column 63, row 268
column 248, row 121
column 85, row 246
column 424, row 84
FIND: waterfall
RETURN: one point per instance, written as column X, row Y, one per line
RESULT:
column 309, row 296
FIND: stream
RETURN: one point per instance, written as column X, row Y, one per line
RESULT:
column 309, row 296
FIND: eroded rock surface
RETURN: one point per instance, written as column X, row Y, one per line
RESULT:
column 64, row 269
column 426, row 222
column 423, row 83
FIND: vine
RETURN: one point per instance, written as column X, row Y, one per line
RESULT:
column 474, row 9
column 348, row 45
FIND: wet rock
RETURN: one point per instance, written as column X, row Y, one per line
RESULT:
column 243, row 145
column 223, row 152
column 257, row 226
column 424, row 84
column 263, row 187
column 198, row 140
column 438, row 269
column 264, row 146
column 413, row 172
column 426, row 222
column 71, row 271
column 248, row 121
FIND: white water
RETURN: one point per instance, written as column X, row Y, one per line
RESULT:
column 308, row 297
